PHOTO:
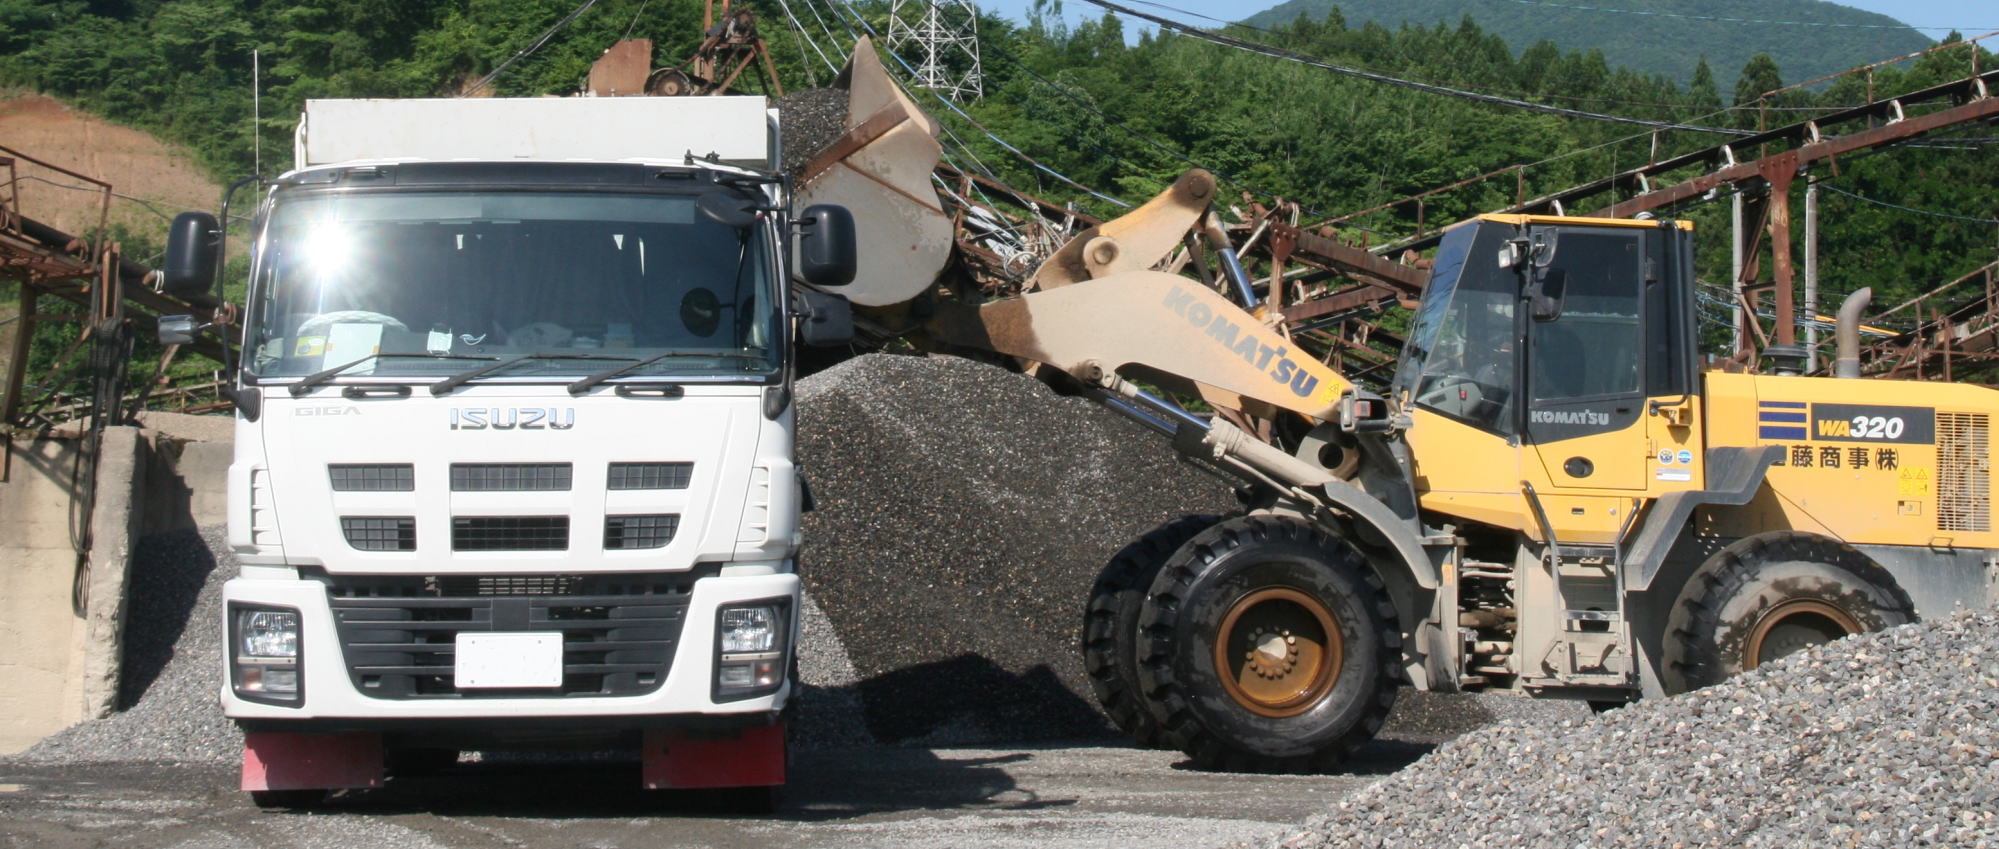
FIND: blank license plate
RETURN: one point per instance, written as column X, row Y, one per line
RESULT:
column 494, row 661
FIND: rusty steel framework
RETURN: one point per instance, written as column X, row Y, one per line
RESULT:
column 90, row 272
column 729, row 46
column 1764, row 167
column 1957, row 324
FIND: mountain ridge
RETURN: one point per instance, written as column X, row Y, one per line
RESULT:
column 1807, row 38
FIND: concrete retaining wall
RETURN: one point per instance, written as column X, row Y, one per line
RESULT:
column 62, row 613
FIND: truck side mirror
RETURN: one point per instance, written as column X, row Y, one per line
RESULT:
column 826, row 253
column 825, row 318
column 193, row 249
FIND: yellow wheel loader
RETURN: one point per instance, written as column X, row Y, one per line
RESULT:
column 1553, row 497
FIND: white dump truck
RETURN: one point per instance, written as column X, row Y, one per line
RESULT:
column 514, row 437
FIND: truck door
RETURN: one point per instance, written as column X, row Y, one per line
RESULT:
column 1585, row 357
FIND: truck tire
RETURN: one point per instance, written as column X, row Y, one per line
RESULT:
column 1268, row 645
column 1772, row 594
column 1110, row 624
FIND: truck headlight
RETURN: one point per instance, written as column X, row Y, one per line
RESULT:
column 750, row 649
column 264, row 654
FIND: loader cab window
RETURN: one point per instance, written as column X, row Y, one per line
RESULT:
column 1460, row 357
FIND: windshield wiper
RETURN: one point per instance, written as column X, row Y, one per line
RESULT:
column 460, row 379
column 582, row 386
column 306, row 383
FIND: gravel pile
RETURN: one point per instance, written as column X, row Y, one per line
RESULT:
column 173, row 662
column 1888, row 739
column 963, row 512
column 812, row 119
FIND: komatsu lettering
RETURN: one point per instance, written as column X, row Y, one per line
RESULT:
column 1243, row 343
column 1570, row 417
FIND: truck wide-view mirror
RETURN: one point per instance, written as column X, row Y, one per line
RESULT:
column 826, row 254
column 824, row 319
column 193, row 241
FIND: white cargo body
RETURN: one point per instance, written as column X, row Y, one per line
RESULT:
column 514, row 440
column 736, row 130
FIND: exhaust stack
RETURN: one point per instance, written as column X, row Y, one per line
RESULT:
column 1848, row 334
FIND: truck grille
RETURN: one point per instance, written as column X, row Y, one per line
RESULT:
column 1964, row 472
column 510, row 477
column 510, row 533
column 379, row 533
column 649, row 475
column 629, row 532
column 362, row 477
column 398, row 635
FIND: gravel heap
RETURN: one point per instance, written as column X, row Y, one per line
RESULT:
column 812, row 118
column 1888, row 739
column 962, row 513
column 173, row 662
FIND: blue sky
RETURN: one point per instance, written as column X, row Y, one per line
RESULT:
column 1974, row 17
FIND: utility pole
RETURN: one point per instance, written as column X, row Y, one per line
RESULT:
column 1811, row 275
column 945, row 37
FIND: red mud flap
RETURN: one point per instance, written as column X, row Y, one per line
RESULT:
column 680, row 759
column 274, row 760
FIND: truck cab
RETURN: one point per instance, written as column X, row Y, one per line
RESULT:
column 514, row 459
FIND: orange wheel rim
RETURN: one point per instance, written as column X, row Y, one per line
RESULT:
column 1278, row 651
column 1794, row 625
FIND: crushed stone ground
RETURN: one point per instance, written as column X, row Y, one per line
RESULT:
column 1888, row 739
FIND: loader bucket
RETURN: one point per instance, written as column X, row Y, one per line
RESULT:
column 880, row 169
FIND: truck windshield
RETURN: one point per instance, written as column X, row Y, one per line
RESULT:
column 493, row 275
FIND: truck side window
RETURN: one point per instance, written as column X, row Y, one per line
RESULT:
column 1595, row 348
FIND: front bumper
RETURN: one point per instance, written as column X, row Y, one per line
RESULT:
column 331, row 698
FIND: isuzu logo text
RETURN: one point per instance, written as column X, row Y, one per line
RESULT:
column 512, row 418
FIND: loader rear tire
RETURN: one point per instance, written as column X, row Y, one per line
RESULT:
column 1770, row 595
column 1268, row 645
column 1110, row 624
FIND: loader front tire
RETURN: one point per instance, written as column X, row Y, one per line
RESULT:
column 1110, row 624
column 1268, row 645
column 1771, row 595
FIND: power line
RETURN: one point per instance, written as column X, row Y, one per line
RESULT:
column 573, row 15
column 1292, row 56
column 1909, row 209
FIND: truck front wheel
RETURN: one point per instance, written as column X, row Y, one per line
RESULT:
column 1268, row 645
column 1770, row 595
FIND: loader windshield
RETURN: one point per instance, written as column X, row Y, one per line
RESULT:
column 1460, row 357
column 478, row 276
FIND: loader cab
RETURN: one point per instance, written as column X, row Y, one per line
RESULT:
column 1567, row 337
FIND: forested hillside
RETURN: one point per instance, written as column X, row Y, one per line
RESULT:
column 1119, row 118
column 1661, row 37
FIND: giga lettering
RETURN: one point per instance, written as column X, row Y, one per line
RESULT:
column 523, row 418
column 1285, row 371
